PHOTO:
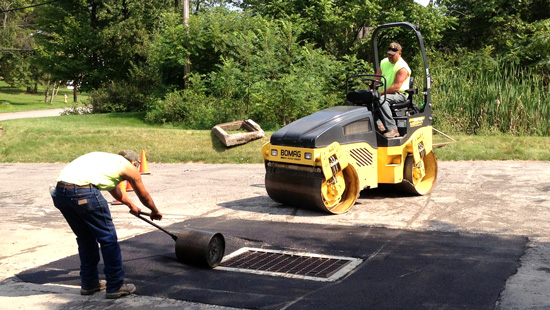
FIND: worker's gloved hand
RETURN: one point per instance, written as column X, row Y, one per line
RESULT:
column 156, row 215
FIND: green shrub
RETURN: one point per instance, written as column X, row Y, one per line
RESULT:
column 117, row 97
column 191, row 107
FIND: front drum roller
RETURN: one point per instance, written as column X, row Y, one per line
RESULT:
column 419, row 178
column 193, row 246
column 199, row 247
column 307, row 189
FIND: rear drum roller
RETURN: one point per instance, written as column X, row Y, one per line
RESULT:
column 419, row 178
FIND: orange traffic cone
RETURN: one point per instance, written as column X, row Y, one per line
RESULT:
column 143, row 169
column 123, row 189
column 129, row 187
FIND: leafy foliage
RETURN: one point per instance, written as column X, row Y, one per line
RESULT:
column 276, row 61
column 94, row 42
column 497, row 99
column 117, row 97
column 16, row 44
column 517, row 31
column 266, row 73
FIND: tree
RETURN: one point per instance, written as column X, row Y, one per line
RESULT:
column 495, row 23
column 244, row 66
column 94, row 42
column 16, row 43
column 341, row 27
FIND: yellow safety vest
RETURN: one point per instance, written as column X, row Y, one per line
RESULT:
column 389, row 70
column 97, row 168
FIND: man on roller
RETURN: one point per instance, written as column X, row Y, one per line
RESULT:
column 78, row 197
column 397, row 74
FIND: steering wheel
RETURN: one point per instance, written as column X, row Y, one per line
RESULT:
column 374, row 83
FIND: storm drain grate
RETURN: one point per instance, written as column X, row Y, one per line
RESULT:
column 297, row 265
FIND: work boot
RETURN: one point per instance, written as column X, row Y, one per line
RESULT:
column 100, row 287
column 381, row 126
column 392, row 134
column 125, row 289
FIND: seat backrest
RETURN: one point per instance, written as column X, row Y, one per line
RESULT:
column 403, row 108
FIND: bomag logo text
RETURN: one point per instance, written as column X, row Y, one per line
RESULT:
column 289, row 153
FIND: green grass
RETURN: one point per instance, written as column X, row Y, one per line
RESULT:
column 16, row 99
column 500, row 147
column 63, row 138
column 502, row 99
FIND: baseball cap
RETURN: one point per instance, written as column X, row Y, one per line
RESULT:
column 394, row 48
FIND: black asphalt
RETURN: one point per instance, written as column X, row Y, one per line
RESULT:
column 402, row 269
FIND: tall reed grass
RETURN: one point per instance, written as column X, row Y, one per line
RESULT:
column 503, row 99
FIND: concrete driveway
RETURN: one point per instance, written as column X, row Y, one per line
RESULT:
column 490, row 198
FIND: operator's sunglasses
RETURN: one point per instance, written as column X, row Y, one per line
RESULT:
column 393, row 50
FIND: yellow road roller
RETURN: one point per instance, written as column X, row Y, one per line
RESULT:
column 323, row 161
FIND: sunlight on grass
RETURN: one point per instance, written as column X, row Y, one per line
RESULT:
column 14, row 99
column 496, row 148
column 63, row 138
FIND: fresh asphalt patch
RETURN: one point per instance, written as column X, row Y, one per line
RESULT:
column 399, row 269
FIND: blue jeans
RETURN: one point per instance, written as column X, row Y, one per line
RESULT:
column 88, row 215
column 385, row 111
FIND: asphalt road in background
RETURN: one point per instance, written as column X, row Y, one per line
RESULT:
column 494, row 199
column 30, row 114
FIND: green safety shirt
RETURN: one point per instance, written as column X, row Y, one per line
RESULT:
column 389, row 70
column 99, row 169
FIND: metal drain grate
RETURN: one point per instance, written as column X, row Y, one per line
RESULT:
column 306, row 266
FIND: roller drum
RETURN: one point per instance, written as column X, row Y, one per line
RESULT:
column 200, row 247
column 307, row 189
column 295, row 188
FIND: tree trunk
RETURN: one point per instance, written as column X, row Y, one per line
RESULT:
column 187, row 67
column 75, row 92
column 125, row 10
column 93, row 15
column 53, row 92
column 5, row 7
column 47, row 91
column 93, row 24
column 57, row 90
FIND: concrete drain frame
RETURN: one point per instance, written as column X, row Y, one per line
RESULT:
column 295, row 265
column 254, row 131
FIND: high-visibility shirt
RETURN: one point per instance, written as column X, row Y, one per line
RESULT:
column 389, row 70
column 99, row 169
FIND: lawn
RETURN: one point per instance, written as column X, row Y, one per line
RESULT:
column 61, row 139
column 16, row 99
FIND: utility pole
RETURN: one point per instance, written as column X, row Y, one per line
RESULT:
column 186, row 68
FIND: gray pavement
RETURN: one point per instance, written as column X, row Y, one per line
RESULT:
column 30, row 114
column 483, row 197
